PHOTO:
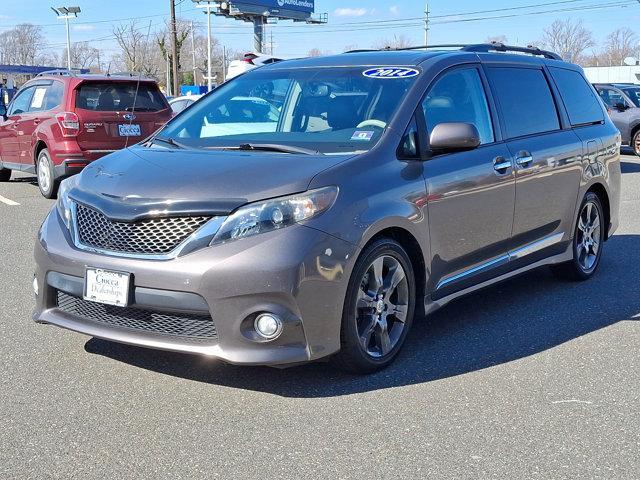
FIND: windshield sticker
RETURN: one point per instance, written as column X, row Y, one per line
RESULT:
column 391, row 72
column 362, row 135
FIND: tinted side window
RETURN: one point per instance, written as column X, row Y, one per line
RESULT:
column 53, row 98
column 459, row 96
column 20, row 103
column 525, row 100
column 578, row 97
column 611, row 97
column 37, row 99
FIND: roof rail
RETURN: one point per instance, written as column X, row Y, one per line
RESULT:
column 60, row 71
column 478, row 48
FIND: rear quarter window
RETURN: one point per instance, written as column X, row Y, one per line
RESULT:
column 578, row 97
column 525, row 100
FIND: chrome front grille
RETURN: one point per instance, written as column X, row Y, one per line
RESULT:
column 195, row 327
column 157, row 236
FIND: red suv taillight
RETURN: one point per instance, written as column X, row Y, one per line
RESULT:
column 69, row 124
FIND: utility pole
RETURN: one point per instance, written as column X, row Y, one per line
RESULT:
column 193, row 54
column 174, row 47
column 426, row 24
column 207, row 6
column 224, row 63
column 271, row 42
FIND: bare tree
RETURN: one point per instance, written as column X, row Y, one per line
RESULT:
column 497, row 39
column 567, row 38
column 183, row 31
column 133, row 44
column 620, row 44
column 22, row 45
column 314, row 52
column 83, row 55
column 398, row 41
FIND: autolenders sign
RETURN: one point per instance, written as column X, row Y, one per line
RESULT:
column 295, row 5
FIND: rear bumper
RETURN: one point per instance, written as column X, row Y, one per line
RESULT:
column 70, row 166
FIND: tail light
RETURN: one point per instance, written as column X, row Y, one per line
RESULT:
column 69, row 124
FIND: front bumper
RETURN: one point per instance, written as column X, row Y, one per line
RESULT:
column 298, row 273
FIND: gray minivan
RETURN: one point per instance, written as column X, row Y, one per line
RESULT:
column 313, row 208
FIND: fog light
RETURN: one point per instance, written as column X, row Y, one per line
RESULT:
column 268, row 326
column 35, row 286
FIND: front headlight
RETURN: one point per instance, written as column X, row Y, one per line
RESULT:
column 261, row 217
column 64, row 202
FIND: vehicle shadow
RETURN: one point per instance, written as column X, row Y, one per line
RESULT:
column 629, row 167
column 30, row 180
column 515, row 319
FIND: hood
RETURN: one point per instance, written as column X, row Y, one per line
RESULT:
column 137, row 182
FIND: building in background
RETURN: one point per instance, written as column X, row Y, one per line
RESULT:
column 619, row 74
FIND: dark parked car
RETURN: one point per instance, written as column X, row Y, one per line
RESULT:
column 266, row 228
column 61, row 121
column 623, row 104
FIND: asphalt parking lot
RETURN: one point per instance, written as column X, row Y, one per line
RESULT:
column 533, row 378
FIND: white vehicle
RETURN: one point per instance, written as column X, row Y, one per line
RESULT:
column 251, row 115
column 249, row 62
column 178, row 104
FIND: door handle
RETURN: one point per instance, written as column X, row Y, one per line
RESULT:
column 501, row 164
column 36, row 121
column 524, row 159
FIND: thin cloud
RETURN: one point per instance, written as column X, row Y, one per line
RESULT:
column 350, row 12
column 394, row 9
column 84, row 28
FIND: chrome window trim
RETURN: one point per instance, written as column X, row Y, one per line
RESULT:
column 198, row 239
column 504, row 259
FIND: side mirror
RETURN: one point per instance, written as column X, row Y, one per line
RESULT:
column 454, row 136
column 621, row 106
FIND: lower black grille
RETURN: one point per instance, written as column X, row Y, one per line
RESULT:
column 183, row 325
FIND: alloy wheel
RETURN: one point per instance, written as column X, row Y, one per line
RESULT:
column 588, row 236
column 382, row 306
column 44, row 176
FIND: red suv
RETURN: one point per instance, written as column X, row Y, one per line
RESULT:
column 59, row 122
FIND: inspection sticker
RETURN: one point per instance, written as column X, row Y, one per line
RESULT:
column 391, row 72
column 363, row 135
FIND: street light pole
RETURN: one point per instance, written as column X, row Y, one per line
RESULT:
column 207, row 6
column 66, row 14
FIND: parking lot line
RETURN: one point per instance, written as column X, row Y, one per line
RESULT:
column 8, row 201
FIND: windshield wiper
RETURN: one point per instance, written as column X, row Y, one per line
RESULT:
column 168, row 141
column 269, row 147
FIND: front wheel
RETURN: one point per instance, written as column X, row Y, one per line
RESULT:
column 378, row 308
column 588, row 240
column 47, row 181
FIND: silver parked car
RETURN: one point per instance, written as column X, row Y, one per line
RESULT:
column 313, row 208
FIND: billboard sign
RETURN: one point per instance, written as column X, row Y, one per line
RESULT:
column 303, row 6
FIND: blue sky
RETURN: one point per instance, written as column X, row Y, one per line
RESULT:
column 344, row 28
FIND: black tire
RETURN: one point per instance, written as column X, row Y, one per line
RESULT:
column 5, row 174
column 584, row 264
column 47, row 181
column 635, row 143
column 378, row 322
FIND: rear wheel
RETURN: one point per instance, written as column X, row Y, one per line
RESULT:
column 5, row 174
column 47, row 182
column 588, row 240
column 378, row 309
column 635, row 143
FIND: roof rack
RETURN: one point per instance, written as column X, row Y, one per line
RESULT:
column 60, row 71
column 478, row 48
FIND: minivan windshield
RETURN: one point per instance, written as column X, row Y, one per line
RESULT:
column 329, row 110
